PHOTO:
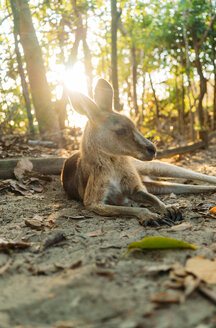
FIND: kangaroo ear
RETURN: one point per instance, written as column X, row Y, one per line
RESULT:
column 103, row 95
column 85, row 106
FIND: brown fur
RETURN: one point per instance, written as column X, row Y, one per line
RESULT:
column 107, row 172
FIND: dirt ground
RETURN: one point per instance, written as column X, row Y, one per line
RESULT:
column 71, row 276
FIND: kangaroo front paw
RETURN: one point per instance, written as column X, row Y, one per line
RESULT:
column 172, row 215
column 152, row 220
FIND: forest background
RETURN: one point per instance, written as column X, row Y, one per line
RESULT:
column 160, row 57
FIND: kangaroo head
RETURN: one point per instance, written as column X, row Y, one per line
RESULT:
column 111, row 132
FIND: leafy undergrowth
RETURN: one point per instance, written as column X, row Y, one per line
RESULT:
column 60, row 265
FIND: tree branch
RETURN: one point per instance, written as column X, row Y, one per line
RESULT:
column 205, row 34
column 121, row 27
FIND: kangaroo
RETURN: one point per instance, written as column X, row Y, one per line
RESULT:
column 114, row 159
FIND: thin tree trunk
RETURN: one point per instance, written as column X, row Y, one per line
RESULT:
column 88, row 66
column 203, row 82
column 74, row 50
column 214, row 87
column 155, row 98
column 41, row 95
column 21, row 70
column 183, row 100
column 129, row 95
column 178, row 105
column 134, row 78
column 143, row 87
column 114, row 60
column 188, row 76
column 214, row 103
column 143, row 97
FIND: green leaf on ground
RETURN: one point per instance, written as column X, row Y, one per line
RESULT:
column 158, row 243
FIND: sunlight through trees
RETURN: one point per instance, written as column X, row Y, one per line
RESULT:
column 158, row 55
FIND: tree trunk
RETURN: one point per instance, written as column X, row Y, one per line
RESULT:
column 21, row 70
column 114, row 60
column 178, row 105
column 155, row 98
column 143, row 97
column 214, row 87
column 134, row 77
column 188, row 75
column 88, row 65
column 129, row 95
column 41, row 95
column 143, row 87
column 214, row 103
column 203, row 82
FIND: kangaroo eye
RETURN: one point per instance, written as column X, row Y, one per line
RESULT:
column 121, row 132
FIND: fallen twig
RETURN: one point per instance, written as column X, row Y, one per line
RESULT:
column 208, row 293
column 4, row 268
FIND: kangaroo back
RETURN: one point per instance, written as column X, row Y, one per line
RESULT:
column 72, row 178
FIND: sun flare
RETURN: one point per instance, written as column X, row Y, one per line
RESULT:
column 75, row 79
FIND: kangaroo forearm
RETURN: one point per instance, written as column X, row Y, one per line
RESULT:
column 144, row 197
column 112, row 210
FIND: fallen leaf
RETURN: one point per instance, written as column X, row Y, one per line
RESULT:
column 66, row 324
column 5, row 244
column 172, row 195
column 213, row 210
column 104, row 273
column 181, row 227
column 159, row 268
column 37, row 188
column 202, row 268
column 166, row 297
column 53, row 239
column 34, row 224
column 179, row 279
column 173, row 284
column 18, row 187
column 24, row 165
column 179, row 269
column 76, row 265
column 158, row 243
column 95, row 233
column 38, row 218
column 73, row 266
column 75, row 217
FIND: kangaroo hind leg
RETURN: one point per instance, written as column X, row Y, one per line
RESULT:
column 160, row 188
column 160, row 169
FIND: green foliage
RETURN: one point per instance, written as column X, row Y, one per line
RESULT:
column 156, row 30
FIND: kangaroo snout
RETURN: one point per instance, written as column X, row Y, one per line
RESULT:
column 146, row 148
column 152, row 150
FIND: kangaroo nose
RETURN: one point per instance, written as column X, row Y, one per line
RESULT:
column 151, row 149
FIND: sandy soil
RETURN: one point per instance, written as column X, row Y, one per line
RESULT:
column 79, row 281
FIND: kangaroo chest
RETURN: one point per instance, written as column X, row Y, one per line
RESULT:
column 112, row 183
column 116, row 189
column 114, row 195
